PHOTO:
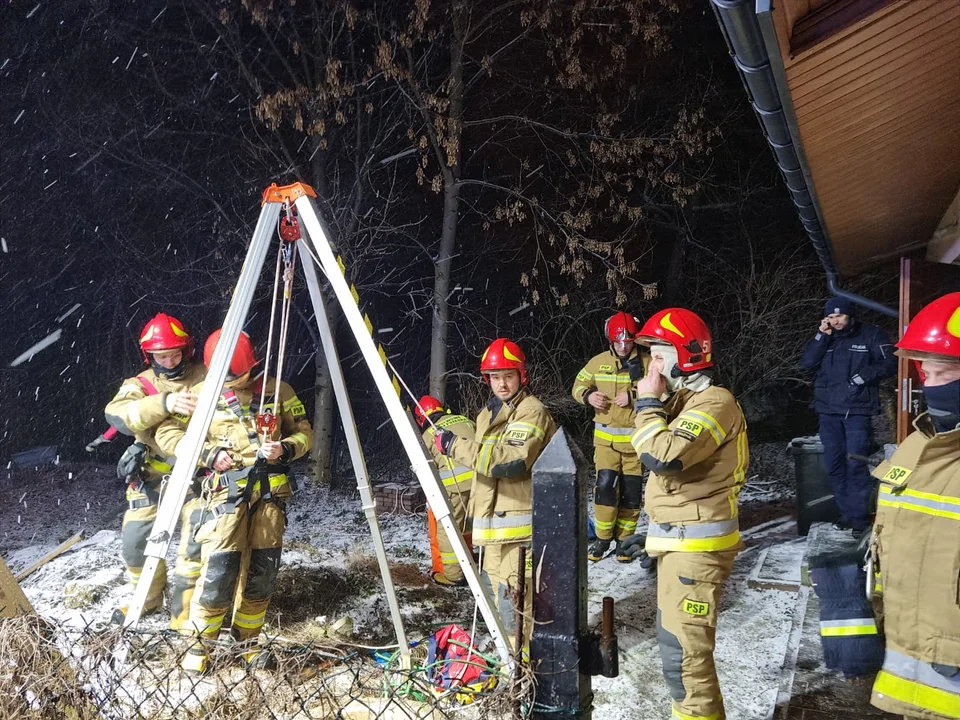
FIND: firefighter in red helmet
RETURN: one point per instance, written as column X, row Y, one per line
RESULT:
column 432, row 417
column 140, row 405
column 692, row 436
column 916, row 535
column 245, row 500
column 512, row 431
column 606, row 384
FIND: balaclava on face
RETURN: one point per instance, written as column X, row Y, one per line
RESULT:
column 170, row 373
column 676, row 381
column 943, row 405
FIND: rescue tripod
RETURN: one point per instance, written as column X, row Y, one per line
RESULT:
column 315, row 237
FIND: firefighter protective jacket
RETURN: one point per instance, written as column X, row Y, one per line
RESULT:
column 610, row 374
column 456, row 478
column 136, row 410
column 510, row 436
column 696, row 449
column 916, row 544
column 232, row 432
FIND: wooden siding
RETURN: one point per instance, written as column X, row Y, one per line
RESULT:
column 878, row 111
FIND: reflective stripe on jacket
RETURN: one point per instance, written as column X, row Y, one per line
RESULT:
column 609, row 374
column 456, row 478
column 916, row 544
column 231, row 433
column 509, row 438
column 696, row 449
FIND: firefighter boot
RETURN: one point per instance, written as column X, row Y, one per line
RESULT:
column 195, row 660
column 598, row 549
column 259, row 659
column 440, row 579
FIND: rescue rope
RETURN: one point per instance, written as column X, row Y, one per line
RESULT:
column 286, row 257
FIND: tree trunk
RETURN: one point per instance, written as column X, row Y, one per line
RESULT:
column 451, row 210
column 323, row 423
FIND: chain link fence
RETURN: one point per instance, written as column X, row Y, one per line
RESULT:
column 106, row 672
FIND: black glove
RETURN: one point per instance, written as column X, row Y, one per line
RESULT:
column 288, row 452
column 443, row 441
column 633, row 546
column 131, row 462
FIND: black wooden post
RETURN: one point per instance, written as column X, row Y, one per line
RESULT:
column 561, row 649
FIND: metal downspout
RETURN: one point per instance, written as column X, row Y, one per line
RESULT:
column 750, row 35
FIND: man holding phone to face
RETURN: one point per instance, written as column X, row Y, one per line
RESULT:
column 851, row 358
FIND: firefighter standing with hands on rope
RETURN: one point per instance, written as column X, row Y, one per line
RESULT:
column 692, row 436
column 916, row 537
column 245, row 500
column 457, row 480
column 606, row 384
column 141, row 404
column 512, row 431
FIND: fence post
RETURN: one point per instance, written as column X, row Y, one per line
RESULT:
column 560, row 649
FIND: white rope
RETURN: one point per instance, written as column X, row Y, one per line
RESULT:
column 273, row 315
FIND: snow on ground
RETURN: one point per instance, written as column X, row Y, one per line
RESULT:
column 329, row 570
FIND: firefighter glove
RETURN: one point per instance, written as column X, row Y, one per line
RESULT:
column 288, row 452
column 94, row 444
column 443, row 441
column 634, row 546
column 131, row 462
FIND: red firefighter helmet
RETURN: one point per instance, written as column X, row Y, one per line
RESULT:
column 503, row 354
column 622, row 327
column 163, row 332
column 427, row 406
column 687, row 332
column 934, row 332
column 243, row 358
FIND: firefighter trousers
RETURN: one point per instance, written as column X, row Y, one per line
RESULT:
column 500, row 566
column 689, row 586
column 251, row 535
column 617, row 499
column 443, row 559
column 138, row 520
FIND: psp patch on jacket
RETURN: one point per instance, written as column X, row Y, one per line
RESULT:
column 688, row 429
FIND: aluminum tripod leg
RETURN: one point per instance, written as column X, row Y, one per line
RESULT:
column 356, row 452
column 188, row 451
column 436, row 497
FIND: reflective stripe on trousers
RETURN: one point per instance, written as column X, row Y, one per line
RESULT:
column 915, row 683
column 699, row 537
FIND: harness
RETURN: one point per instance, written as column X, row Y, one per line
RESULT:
column 257, row 475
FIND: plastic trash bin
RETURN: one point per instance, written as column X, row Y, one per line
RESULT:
column 815, row 501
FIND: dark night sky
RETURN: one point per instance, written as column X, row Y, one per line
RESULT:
column 132, row 167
